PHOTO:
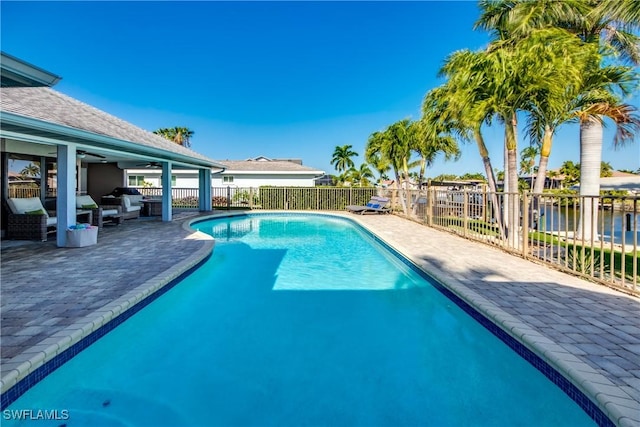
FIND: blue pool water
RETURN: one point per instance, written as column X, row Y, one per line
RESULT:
column 299, row 321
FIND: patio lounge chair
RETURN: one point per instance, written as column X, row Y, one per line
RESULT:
column 376, row 205
column 111, row 213
column 29, row 220
column 131, row 204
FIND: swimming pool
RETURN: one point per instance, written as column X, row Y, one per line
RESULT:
column 301, row 320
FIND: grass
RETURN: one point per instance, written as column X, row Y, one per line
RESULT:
column 580, row 256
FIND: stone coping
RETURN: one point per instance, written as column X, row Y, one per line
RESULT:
column 35, row 357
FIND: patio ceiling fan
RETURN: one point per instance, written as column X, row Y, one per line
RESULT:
column 154, row 165
column 81, row 154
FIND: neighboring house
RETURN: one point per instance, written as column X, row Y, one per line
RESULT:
column 255, row 172
column 87, row 149
column 324, row 181
column 621, row 181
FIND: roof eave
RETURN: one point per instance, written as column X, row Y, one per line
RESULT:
column 103, row 140
column 26, row 74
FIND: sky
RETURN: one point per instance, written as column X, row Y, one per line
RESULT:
column 277, row 79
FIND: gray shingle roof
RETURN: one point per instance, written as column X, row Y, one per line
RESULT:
column 54, row 107
column 266, row 166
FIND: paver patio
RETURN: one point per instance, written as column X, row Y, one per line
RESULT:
column 589, row 333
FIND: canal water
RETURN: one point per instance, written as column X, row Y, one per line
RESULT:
column 610, row 223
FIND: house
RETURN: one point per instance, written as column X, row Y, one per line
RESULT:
column 253, row 172
column 263, row 171
column 87, row 148
column 619, row 181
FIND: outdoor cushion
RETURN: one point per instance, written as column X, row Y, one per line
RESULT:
column 107, row 212
column 52, row 220
column 82, row 201
column 136, row 199
column 129, row 205
column 24, row 205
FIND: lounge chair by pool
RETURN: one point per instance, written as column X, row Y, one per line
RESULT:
column 376, row 205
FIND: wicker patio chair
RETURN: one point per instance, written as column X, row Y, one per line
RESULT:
column 28, row 220
column 100, row 213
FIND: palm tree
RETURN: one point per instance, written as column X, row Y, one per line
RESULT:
column 591, row 136
column 433, row 137
column 361, row 177
column 31, row 170
column 462, row 101
column 528, row 158
column 179, row 135
column 394, row 145
column 606, row 169
column 380, row 164
column 610, row 27
column 571, row 172
column 342, row 158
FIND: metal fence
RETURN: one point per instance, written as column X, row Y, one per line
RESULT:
column 593, row 237
column 275, row 198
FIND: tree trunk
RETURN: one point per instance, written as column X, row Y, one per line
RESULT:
column 491, row 179
column 513, row 219
column 400, row 192
column 423, row 167
column 545, row 151
column 405, row 186
column 591, row 134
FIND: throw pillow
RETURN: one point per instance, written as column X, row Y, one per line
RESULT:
column 92, row 206
column 36, row 212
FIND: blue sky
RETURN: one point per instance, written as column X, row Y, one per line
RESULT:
column 279, row 79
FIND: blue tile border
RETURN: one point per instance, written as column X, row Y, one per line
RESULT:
column 41, row 372
column 558, row 379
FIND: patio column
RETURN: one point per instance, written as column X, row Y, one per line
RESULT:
column 204, row 189
column 166, row 191
column 66, row 198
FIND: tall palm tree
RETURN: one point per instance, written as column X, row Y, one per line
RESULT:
column 394, row 145
column 610, row 27
column 464, row 101
column 31, row 170
column 591, row 135
column 179, row 135
column 433, row 137
column 342, row 158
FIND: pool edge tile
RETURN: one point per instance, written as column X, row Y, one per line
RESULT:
column 76, row 333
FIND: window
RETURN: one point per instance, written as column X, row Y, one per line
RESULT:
column 227, row 179
column 136, row 180
column 173, row 180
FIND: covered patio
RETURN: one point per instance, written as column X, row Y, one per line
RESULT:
column 78, row 149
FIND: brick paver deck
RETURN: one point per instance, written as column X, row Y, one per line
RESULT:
column 51, row 297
